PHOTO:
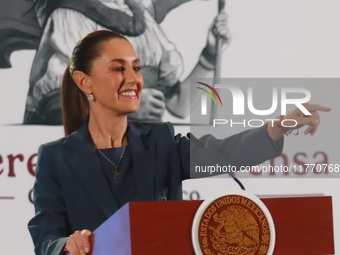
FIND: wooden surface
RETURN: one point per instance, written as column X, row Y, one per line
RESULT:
column 303, row 226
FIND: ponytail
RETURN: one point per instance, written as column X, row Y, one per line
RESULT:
column 74, row 104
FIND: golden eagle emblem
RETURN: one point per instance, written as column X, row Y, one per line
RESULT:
column 237, row 232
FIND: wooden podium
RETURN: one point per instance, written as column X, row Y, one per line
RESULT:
column 303, row 225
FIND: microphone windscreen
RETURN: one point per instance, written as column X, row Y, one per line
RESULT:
column 144, row 142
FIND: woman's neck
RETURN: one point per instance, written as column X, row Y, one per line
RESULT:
column 108, row 132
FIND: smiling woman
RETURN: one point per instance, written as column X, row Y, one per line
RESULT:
column 106, row 160
column 114, row 86
column 105, row 70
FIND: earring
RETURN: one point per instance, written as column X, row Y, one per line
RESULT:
column 90, row 98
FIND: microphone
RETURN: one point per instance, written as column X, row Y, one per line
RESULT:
column 195, row 140
column 144, row 141
column 200, row 144
column 160, row 187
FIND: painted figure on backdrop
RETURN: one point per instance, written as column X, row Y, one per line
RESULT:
column 53, row 27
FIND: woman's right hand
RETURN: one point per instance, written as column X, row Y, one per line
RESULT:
column 276, row 130
column 78, row 243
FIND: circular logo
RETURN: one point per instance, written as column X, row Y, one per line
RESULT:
column 236, row 223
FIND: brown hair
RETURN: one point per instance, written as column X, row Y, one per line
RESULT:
column 74, row 103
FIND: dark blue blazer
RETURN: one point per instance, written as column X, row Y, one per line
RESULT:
column 72, row 194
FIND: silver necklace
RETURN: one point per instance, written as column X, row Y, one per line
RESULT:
column 116, row 172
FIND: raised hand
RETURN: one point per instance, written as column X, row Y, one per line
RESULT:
column 297, row 119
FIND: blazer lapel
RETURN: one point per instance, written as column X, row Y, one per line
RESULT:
column 84, row 162
column 143, row 152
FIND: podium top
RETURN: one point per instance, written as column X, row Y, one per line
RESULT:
column 304, row 225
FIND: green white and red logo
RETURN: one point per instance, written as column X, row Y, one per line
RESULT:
column 210, row 91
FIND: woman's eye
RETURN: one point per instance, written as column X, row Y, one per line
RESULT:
column 119, row 69
column 137, row 68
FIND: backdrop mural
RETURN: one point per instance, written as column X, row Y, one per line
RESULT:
column 281, row 39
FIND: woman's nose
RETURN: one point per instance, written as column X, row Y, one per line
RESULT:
column 130, row 75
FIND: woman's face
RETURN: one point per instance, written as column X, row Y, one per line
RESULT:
column 115, row 77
